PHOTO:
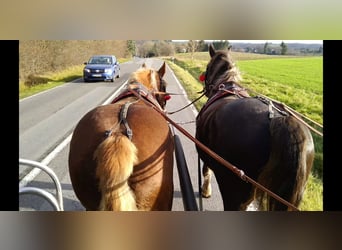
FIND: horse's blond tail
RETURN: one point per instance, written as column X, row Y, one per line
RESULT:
column 115, row 158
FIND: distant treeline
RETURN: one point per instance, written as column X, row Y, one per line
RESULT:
column 276, row 49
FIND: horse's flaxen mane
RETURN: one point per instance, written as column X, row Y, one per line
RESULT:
column 151, row 80
column 145, row 76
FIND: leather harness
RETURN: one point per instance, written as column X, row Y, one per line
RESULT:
column 231, row 88
column 132, row 90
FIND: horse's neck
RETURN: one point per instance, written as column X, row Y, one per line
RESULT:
column 140, row 90
column 228, row 88
column 229, row 91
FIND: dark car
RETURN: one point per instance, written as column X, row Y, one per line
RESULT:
column 101, row 68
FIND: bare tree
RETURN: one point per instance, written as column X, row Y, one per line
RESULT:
column 192, row 47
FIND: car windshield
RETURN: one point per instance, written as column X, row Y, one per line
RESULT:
column 100, row 60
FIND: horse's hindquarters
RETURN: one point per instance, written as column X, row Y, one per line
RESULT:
column 237, row 131
column 276, row 151
column 87, row 135
column 151, row 180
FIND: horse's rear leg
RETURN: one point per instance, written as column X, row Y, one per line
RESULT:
column 206, row 187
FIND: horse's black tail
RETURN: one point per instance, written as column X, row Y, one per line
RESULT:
column 288, row 168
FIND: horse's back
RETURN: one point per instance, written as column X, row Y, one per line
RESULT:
column 234, row 128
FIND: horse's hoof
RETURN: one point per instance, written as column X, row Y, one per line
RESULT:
column 206, row 194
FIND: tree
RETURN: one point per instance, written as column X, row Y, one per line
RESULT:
column 266, row 48
column 192, row 46
column 283, row 47
column 146, row 49
column 131, row 48
column 166, row 48
column 202, row 46
column 222, row 44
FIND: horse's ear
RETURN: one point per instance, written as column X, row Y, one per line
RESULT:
column 230, row 48
column 161, row 71
column 211, row 50
column 143, row 65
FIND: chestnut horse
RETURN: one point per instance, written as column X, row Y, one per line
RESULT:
column 121, row 154
column 255, row 135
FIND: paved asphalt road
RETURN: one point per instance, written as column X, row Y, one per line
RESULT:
column 45, row 136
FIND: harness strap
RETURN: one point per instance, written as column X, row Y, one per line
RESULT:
column 139, row 91
column 271, row 107
column 121, row 96
column 142, row 91
column 123, row 119
column 223, row 90
column 232, row 89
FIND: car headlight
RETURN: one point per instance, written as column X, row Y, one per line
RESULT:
column 108, row 70
column 86, row 70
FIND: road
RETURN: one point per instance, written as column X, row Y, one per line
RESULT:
column 46, row 122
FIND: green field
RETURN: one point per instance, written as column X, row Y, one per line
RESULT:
column 298, row 82
column 294, row 81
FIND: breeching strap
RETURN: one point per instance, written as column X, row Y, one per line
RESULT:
column 218, row 158
column 295, row 114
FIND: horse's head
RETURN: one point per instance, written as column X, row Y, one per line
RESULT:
column 153, row 81
column 220, row 69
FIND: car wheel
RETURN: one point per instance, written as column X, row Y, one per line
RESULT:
column 118, row 76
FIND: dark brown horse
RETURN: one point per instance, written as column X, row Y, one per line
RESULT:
column 121, row 154
column 253, row 134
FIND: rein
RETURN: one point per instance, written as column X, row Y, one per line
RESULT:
column 170, row 113
column 169, row 93
column 222, row 91
column 143, row 92
column 215, row 156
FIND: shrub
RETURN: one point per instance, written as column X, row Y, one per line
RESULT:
column 33, row 80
